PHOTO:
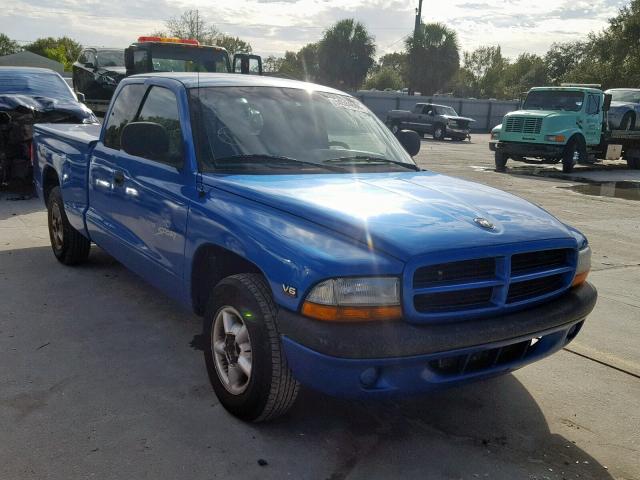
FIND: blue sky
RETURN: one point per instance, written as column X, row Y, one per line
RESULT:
column 273, row 26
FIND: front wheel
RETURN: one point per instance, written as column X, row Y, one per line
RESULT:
column 628, row 121
column 574, row 152
column 501, row 161
column 69, row 246
column 439, row 132
column 244, row 358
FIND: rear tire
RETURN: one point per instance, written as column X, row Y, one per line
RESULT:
column 248, row 319
column 501, row 161
column 69, row 246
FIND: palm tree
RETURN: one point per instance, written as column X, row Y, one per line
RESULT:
column 434, row 57
column 345, row 54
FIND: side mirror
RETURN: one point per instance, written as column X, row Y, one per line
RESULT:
column 128, row 59
column 145, row 139
column 81, row 98
column 607, row 102
column 247, row 64
column 410, row 140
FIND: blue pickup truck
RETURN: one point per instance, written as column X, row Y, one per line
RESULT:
column 317, row 252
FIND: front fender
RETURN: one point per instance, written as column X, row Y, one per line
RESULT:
column 287, row 249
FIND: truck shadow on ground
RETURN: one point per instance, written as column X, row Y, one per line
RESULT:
column 492, row 429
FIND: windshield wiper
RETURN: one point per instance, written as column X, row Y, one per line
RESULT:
column 356, row 159
column 276, row 158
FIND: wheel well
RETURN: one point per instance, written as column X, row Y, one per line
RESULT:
column 211, row 264
column 49, row 180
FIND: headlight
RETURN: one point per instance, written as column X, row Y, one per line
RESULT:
column 354, row 299
column 555, row 138
column 584, row 266
column 495, row 135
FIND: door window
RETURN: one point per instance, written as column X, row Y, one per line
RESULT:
column 161, row 106
column 593, row 105
column 124, row 111
column 90, row 58
column 140, row 61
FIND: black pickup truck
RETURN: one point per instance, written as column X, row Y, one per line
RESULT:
column 441, row 121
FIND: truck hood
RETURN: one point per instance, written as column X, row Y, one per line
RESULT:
column 623, row 105
column 536, row 113
column 41, row 105
column 456, row 118
column 402, row 214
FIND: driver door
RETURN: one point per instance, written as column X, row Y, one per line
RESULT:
column 593, row 119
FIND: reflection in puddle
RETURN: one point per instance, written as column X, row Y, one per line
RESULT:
column 626, row 190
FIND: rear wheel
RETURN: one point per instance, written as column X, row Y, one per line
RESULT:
column 69, row 246
column 575, row 152
column 245, row 362
column 501, row 161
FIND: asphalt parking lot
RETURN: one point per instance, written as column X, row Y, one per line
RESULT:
column 101, row 376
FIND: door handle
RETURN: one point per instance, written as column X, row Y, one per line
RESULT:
column 118, row 178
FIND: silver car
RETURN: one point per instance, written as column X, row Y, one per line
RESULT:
column 625, row 108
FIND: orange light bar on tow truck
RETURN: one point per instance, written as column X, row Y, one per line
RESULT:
column 184, row 41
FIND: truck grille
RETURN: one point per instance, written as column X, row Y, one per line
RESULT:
column 529, row 125
column 485, row 285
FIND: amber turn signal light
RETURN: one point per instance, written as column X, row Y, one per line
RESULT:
column 332, row 313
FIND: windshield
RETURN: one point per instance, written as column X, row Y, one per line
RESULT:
column 111, row 58
column 441, row 110
column 189, row 59
column 268, row 128
column 40, row 84
column 554, row 100
column 627, row 96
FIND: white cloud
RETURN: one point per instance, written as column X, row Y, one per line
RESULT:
column 273, row 26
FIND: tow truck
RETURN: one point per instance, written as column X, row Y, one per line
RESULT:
column 565, row 124
column 167, row 54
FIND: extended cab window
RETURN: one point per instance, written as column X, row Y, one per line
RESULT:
column 161, row 106
column 124, row 111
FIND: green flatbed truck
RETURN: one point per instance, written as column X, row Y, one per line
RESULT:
column 566, row 124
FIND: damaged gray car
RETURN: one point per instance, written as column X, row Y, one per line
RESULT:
column 29, row 96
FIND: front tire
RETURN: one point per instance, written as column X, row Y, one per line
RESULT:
column 439, row 132
column 69, row 246
column 575, row 152
column 501, row 161
column 244, row 358
column 628, row 121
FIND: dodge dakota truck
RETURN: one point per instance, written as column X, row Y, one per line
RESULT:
column 317, row 252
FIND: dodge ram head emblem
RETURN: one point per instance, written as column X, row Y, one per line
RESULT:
column 484, row 223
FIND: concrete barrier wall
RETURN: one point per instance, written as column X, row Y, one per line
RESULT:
column 486, row 113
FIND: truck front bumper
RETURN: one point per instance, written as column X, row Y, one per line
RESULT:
column 392, row 358
column 536, row 150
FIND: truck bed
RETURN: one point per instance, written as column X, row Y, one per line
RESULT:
column 66, row 148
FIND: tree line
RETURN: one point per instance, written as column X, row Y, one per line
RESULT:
column 431, row 61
